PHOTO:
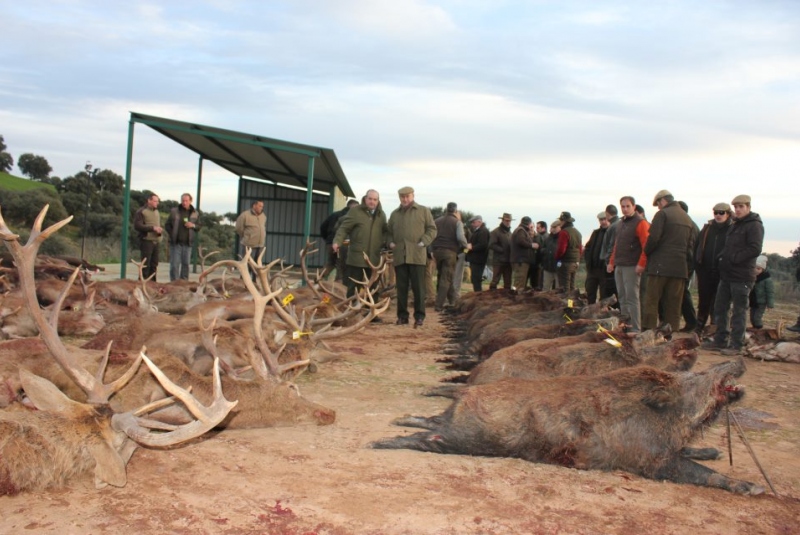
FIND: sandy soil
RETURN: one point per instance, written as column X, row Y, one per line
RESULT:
column 325, row 480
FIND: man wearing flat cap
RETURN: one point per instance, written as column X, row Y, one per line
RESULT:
column 669, row 249
column 568, row 253
column 707, row 252
column 737, row 275
column 411, row 231
column 523, row 250
column 477, row 251
column 500, row 245
column 450, row 239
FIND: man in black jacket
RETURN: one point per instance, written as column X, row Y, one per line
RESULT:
column 737, row 274
column 477, row 251
column 596, row 273
column 336, row 259
column 706, row 261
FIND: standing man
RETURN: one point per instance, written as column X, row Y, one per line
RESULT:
column 411, row 230
column 668, row 249
column 737, row 274
column 522, row 252
column 541, row 236
column 477, row 251
column 570, row 248
column 336, row 259
column 612, row 214
column 182, row 224
column 595, row 265
column 147, row 222
column 706, row 260
column 251, row 226
column 449, row 241
column 500, row 245
column 549, row 262
column 628, row 261
column 366, row 225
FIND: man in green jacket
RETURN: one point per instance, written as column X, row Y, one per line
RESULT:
column 366, row 225
column 669, row 249
column 411, row 230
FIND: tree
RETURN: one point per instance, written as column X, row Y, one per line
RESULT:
column 33, row 166
column 6, row 160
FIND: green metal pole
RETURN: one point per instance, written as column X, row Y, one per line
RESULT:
column 309, row 196
column 126, row 205
column 196, row 243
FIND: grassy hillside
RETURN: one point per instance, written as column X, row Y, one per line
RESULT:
column 15, row 183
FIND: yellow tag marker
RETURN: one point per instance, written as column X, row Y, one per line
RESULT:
column 610, row 340
column 569, row 320
column 569, row 303
column 297, row 334
column 326, row 298
column 288, row 299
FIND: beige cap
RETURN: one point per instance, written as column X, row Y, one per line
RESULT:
column 556, row 223
column 660, row 195
column 761, row 261
column 722, row 207
column 602, row 215
column 741, row 199
column 405, row 191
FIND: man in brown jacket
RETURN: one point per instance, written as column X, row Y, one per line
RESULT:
column 668, row 249
column 450, row 240
column 500, row 245
column 411, row 230
column 522, row 250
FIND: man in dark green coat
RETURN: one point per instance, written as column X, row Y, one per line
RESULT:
column 367, row 228
column 411, row 231
column 668, row 249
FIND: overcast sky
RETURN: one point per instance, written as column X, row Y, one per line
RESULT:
column 502, row 106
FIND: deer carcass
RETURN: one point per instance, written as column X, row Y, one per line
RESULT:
column 63, row 437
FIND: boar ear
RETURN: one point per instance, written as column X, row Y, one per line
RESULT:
column 109, row 468
column 659, row 398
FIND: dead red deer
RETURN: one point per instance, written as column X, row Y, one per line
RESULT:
column 64, row 437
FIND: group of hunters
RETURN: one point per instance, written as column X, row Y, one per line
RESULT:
column 647, row 265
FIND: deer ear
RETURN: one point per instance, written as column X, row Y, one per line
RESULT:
column 109, row 468
column 44, row 394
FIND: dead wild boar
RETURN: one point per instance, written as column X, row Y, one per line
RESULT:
column 589, row 356
column 635, row 419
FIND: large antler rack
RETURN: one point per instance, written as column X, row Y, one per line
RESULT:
column 268, row 366
column 25, row 257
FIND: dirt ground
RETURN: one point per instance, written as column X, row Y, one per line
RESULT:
column 325, row 480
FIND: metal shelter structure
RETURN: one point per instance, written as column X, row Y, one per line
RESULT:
column 285, row 175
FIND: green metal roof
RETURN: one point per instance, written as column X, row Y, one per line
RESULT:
column 254, row 156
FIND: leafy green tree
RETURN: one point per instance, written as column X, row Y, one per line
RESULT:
column 33, row 166
column 22, row 207
column 6, row 160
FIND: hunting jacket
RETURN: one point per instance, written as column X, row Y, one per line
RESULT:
column 742, row 246
column 670, row 244
column 368, row 234
column 412, row 231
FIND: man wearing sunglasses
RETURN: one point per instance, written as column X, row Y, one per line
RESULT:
column 709, row 248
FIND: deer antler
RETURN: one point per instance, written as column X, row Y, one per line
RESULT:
column 207, row 417
column 203, row 257
column 25, row 257
column 304, row 269
column 374, row 310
